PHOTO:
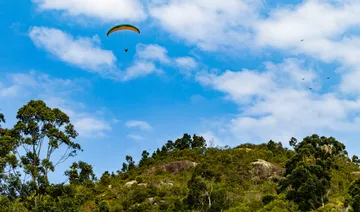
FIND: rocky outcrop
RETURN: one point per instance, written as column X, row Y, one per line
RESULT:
column 175, row 167
column 162, row 184
column 244, row 149
column 142, row 185
column 356, row 173
column 145, row 185
column 154, row 201
column 129, row 184
column 327, row 148
column 262, row 169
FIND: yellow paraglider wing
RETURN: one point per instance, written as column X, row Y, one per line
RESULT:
column 123, row 27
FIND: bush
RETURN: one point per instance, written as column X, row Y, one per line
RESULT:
column 267, row 199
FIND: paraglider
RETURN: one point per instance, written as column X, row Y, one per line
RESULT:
column 123, row 27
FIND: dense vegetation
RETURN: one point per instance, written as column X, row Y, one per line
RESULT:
column 184, row 175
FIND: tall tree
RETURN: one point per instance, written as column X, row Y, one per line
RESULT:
column 308, row 172
column 81, row 173
column 198, row 142
column 144, row 158
column 9, row 178
column 40, row 132
column 184, row 142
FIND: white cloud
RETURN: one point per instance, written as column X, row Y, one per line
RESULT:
column 152, row 52
column 139, row 69
column 104, row 10
column 148, row 54
column 8, row 91
column 330, row 33
column 55, row 92
column 140, row 124
column 135, row 137
column 86, row 54
column 209, row 24
column 250, row 83
column 276, row 106
column 186, row 64
column 90, row 127
column 211, row 139
column 83, row 52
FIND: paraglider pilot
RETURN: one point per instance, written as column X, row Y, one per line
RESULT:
column 123, row 27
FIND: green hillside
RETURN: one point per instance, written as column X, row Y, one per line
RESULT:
column 182, row 175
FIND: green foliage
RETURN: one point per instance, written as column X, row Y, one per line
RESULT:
column 355, row 159
column 36, row 125
column 267, row 199
column 279, row 205
column 317, row 173
column 104, row 206
column 81, row 173
column 309, row 171
column 105, row 178
column 354, row 192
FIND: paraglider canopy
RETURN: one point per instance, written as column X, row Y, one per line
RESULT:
column 123, row 27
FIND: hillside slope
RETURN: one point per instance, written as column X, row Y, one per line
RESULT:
column 182, row 176
column 185, row 175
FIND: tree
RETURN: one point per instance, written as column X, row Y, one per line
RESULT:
column 131, row 163
column 41, row 131
column 308, row 172
column 198, row 142
column 10, row 184
column 124, row 167
column 184, row 142
column 355, row 159
column 203, row 195
column 81, row 173
column 2, row 118
column 105, row 178
column 271, row 146
column 354, row 192
column 198, row 194
column 144, row 158
column 170, row 145
column 293, row 142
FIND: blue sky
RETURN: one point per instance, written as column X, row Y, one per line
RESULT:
column 231, row 71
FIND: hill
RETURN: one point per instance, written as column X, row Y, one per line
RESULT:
column 182, row 175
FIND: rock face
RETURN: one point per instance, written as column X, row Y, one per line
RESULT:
column 356, row 173
column 142, row 185
column 145, row 185
column 151, row 200
column 327, row 148
column 129, row 184
column 244, row 149
column 162, row 184
column 264, row 170
column 176, row 167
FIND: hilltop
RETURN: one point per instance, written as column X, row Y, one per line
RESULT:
column 182, row 175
